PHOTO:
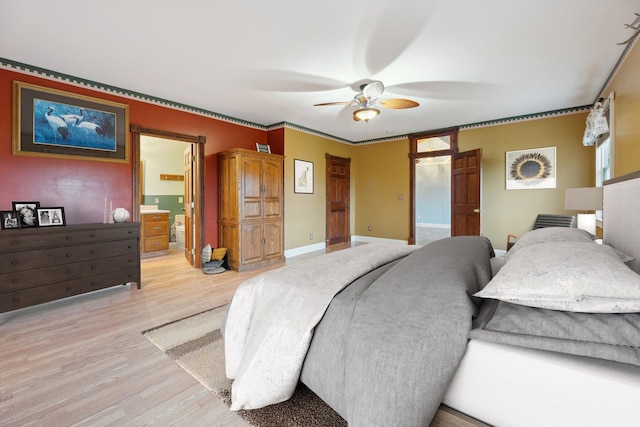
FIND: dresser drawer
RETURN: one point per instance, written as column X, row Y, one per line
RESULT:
column 47, row 237
column 20, row 280
column 37, row 240
column 109, row 279
column 154, row 217
column 152, row 244
column 152, row 229
column 108, row 249
column 118, row 232
column 107, row 265
column 33, row 296
column 20, row 261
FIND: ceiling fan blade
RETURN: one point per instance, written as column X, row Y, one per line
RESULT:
column 334, row 103
column 375, row 50
column 454, row 90
column 398, row 103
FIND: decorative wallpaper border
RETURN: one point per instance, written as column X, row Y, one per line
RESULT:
column 125, row 93
column 76, row 81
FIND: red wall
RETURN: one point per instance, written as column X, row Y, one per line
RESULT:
column 80, row 186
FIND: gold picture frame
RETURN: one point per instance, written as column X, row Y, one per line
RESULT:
column 53, row 123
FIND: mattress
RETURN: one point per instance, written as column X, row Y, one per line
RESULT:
column 510, row 386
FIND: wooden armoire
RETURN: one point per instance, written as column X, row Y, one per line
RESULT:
column 251, row 208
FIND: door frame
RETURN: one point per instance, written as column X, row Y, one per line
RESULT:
column 198, row 212
column 413, row 156
column 328, row 198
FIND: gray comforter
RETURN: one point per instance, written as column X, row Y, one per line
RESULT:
column 614, row 337
column 388, row 345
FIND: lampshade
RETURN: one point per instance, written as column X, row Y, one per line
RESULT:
column 583, row 199
column 365, row 114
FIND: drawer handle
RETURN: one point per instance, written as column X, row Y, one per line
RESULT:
column 156, row 228
column 15, row 262
column 92, row 252
column 67, row 255
column 68, row 272
column 93, row 234
column 93, row 267
column 67, row 237
column 14, row 242
column 15, row 280
column 69, row 288
column 15, row 300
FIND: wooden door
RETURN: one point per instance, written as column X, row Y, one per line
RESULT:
column 273, row 238
column 272, row 188
column 251, row 188
column 338, row 199
column 188, row 204
column 465, row 197
column 252, row 243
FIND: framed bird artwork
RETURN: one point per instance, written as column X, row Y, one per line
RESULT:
column 53, row 123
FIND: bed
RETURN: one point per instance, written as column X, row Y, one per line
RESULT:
column 385, row 334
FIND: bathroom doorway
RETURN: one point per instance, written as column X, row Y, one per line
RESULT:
column 161, row 179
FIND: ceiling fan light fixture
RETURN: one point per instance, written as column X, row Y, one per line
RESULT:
column 365, row 114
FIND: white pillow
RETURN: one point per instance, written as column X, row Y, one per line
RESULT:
column 568, row 276
column 622, row 255
column 550, row 234
column 205, row 255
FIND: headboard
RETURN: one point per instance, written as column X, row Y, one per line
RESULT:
column 621, row 215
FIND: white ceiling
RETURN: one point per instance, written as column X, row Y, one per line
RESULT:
column 267, row 62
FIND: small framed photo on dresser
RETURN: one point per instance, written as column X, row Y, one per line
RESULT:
column 9, row 220
column 27, row 211
column 51, row 217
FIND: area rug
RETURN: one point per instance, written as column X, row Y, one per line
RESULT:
column 195, row 343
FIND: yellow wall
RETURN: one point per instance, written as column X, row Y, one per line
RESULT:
column 626, row 85
column 305, row 213
column 380, row 180
column 383, row 190
column 380, row 172
column 514, row 211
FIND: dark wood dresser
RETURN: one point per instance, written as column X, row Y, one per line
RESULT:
column 38, row 265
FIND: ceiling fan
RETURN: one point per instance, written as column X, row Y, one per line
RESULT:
column 368, row 99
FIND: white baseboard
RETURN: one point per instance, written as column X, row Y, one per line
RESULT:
column 367, row 239
column 426, row 224
column 289, row 253
column 304, row 250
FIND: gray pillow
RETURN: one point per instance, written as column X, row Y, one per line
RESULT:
column 568, row 276
column 549, row 234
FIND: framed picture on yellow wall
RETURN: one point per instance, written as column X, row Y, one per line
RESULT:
column 531, row 169
column 53, row 123
column 302, row 176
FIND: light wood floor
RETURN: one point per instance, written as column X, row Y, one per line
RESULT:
column 84, row 361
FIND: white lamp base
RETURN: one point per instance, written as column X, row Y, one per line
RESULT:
column 587, row 222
